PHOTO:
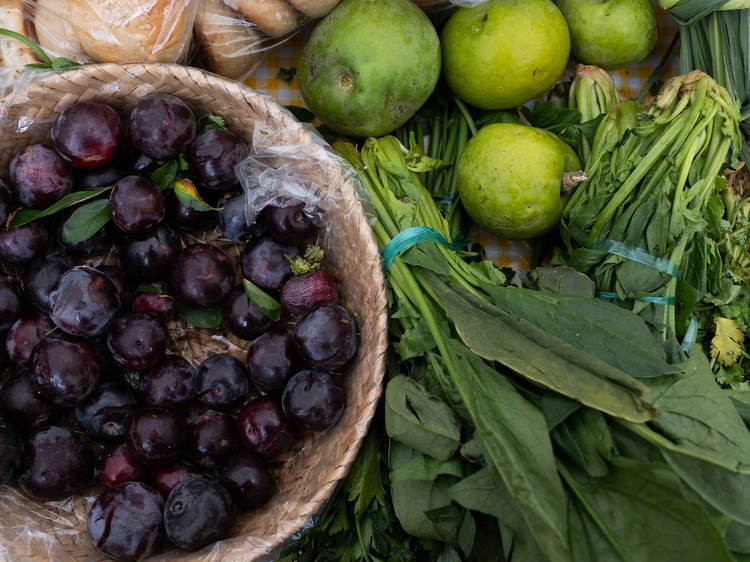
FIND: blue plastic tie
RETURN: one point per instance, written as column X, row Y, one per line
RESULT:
column 415, row 235
column 655, row 300
column 635, row 254
column 690, row 334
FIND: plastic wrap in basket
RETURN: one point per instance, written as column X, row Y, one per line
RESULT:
column 309, row 474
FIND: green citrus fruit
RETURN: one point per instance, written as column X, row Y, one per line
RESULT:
column 505, row 52
column 510, row 179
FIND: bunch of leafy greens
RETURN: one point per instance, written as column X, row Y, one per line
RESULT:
column 525, row 424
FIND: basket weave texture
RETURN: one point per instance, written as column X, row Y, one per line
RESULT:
column 306, row 478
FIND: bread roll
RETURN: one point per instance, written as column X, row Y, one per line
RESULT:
column 314, row 8
column 55, row 32
column 273, row 17
column 134, row 30
column 12, row 51
column 230, row 45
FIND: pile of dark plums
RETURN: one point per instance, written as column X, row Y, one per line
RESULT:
column 89, row 372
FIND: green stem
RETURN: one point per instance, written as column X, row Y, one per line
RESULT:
column 29, row 43
column 467, row 116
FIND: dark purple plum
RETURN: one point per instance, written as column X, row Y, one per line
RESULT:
column 157, row 434
column 39, row 177
column 40, row 278
column 11, row 451
column 232, row 221
column 248, row 478
column 105, row 413
column 170, row 384
column 313, row 401
column 212, row 158
column 289, row 224
column 202, row 276
column 159, row 303
column 241, row 316
column 263, row 427
column 23, row 404
column 57, row 463
column 186, row 218
column 138, row 341
column 6, row 203
column 222, row 382
column 3, row 353
column 166, row 477
column 161, row 126
column 118, row 464
column 87, row 134
column 65, row 370
column 101, row 177
column 24, row 335
column 264, row 263
column 21, row 244
column 272, row 360
column 149, row 256
column 137, row 204
column 84, row 303
column 326, row 337
column 11, row 305
column 122, row 283
column 95, row 245
column 303, row 293
column 213, row 437
column 198, row 512
column 145, row 166
column 125, row 522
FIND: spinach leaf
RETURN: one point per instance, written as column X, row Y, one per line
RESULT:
column 426, row 468
column 560, row 280
column 585, row 439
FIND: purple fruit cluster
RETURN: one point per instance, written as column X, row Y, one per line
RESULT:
column 94, row 391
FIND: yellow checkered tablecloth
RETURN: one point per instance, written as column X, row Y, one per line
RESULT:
column 515, row 254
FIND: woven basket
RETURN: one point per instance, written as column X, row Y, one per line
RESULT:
column 306, row 478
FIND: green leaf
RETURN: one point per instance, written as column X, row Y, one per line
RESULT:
column 364, row 483
column 147, row 288
column 210, row 121
column 199, row 318
column 492, row 117
column 86, row 221
column 286, row 74
column 24, row 216
column 165, row 175
column 585, row 439
column 560, row 280
column 427, row 468
column 467, row 533
column 262, row 300
column 422, row 421
column 188, row 195
column 548, row 115
column 661, row 524
column 415, row 341
column 302, row 114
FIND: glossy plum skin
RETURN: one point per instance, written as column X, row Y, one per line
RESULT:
column 137, row 204
column 105, row 176
column 166, row 477
column 39, row 177
column 161, row 126
column 125, row 522
column 187, row 218
column 263, row 427
column 24, row 406
column 6, row 202
column 169, row 384
column 84, row 303
column 213, row 437
column 87, row 134
column 272, row 360
column 11, row 451
column 198, row 512
column 202, row 276
column 212, row 158
column 122, row 283
column 159, row 303
column 95, row 245
column 40, row 278
column 289, row 224
column 231, row 220
column 157, row 434
column 21, row 244
column 117, row 465
column 11, row 305
column 313, row 401
column 264, row 263
column 304, row 293
column 241, row 316
column 57, row 463
column 326, row 337
column 65, row 370
column 248, row 478
column 24, row 335
column 148, row 256
column 105, row 413
column 222, row 382
column 138, row 341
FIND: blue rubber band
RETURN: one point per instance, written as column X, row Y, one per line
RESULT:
column 415, row 235
column 690, row 335
column 635, row 254
column 669, row 301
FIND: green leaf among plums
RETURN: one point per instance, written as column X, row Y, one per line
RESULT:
column 188, row 195
column 263, row 301
column 25, row 216
column 86, row 221
column 199, row 318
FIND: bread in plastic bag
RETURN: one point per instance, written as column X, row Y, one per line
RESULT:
column 13, row 52
column 54, row 31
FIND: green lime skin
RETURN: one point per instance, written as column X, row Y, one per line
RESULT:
column 369, row 65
